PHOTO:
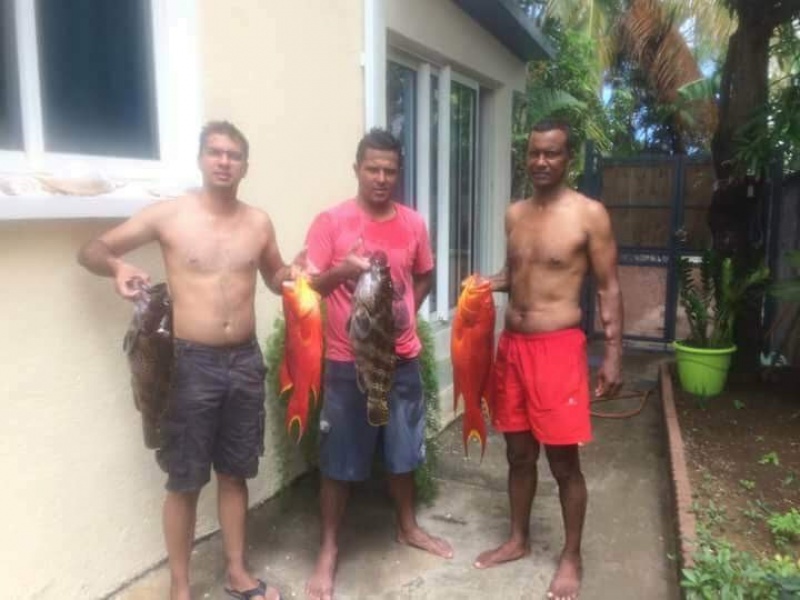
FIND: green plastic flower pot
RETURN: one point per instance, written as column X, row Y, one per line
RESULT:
column 702, row 371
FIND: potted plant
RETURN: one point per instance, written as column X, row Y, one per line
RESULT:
column 712, row 302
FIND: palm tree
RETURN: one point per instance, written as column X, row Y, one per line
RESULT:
column 665, row 40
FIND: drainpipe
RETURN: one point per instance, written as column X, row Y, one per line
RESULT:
column 373, row 61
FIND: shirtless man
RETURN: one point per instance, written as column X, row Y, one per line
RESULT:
column 212, row 245
column 542, row 389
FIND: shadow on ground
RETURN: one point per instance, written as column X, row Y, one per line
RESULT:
column 628, row 538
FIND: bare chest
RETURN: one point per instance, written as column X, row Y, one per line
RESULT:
column 553, row 242
column 205, row 246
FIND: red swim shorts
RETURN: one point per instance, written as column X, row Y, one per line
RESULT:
column 541, row 385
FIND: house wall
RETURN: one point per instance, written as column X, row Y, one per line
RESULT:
column 81, row 497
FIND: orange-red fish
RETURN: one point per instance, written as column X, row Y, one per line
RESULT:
column 472, row 354
column 301, row 367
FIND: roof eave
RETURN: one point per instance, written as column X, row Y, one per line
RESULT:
column 506, row 22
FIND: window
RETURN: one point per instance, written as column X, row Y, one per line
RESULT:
column 401, row 118
column 435, row 114
column 96, row 77
column 94, row 82
column 10, row 118
column 463, row 204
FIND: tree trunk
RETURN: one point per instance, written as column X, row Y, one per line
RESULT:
column 736, row 206
column 744, row 88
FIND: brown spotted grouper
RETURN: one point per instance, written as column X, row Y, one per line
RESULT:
column 148, row 345
column 372, row 334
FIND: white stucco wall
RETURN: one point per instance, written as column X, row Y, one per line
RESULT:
column 81, row 499
column 289, row 75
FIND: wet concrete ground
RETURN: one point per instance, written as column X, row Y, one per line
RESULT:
column 628, row 541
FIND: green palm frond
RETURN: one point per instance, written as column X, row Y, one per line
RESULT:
column 543, row 103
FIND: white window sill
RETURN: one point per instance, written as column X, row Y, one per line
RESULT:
column 39, row 204
column 25, row 208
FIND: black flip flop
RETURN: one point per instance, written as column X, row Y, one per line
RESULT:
column 259, row 590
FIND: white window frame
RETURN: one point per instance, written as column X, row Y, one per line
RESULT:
column 424, row 69
column 178, row 108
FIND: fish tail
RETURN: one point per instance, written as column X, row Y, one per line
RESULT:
column 474, row 427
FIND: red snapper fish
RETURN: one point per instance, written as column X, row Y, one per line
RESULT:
column 300, row 371
column 472, row 354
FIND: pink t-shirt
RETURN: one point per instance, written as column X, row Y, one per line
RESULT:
column 404, row 239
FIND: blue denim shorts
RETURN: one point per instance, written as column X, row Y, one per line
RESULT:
column 347, row 440
column 215, row 414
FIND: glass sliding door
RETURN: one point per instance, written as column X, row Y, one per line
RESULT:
column 463, row 184
column 435, row 113
column 401, row 119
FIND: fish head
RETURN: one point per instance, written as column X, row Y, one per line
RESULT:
column 152, row 306
column 379, row 262
column 373, row 281
column 300, row 297
column 475, row 298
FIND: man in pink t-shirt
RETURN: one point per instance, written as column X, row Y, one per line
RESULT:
column 338, row 244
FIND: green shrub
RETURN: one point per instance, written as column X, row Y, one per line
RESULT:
column 785, row 527
column 722, row 572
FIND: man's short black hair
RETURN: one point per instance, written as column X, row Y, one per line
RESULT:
column 224, row 128
column 379, row 139
column 551, row 123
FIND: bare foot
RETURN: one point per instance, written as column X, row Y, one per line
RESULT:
column 179, row 591
column 567, row 580
column 419, row 538
column 320, row 586
column 241, row 582
column 511, row 550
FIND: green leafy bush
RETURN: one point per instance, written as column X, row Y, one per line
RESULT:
column 722, row 572
column 785, row 527
column 713, row 300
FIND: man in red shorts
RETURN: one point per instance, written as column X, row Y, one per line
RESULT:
column 541, row 394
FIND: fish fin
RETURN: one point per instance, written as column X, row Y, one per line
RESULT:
column 488, row 394
column 486, row 411
column 300, row 429
column 284, row 377
column 129, row 341
column 362, row 386
column 313, row 398
column 297, row 412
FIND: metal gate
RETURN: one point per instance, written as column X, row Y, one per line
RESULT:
column 658, row 208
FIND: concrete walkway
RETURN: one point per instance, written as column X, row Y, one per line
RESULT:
column 629, row 535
